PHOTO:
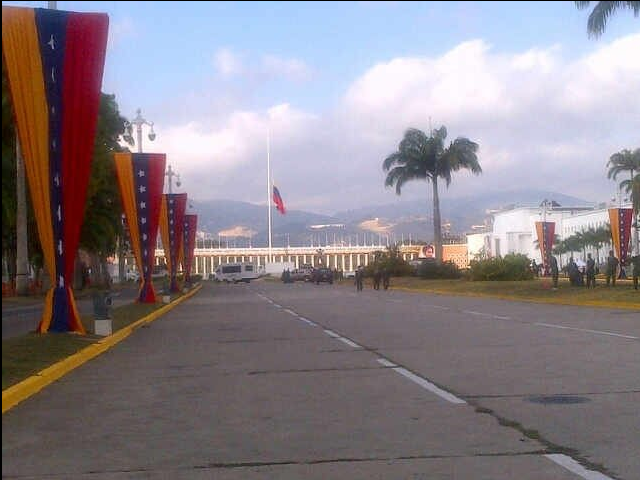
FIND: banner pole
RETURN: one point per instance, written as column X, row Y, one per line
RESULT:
column 269, row 190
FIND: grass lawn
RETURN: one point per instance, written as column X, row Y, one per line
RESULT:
column 538, row 290
column 28, row 354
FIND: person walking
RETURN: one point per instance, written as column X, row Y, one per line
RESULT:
column 359, row 278
column 612, row 268
column 573, row 273
column 386, row 277
column 377, row 276
column 591, row 272
column 554, row 271
column 635, row 262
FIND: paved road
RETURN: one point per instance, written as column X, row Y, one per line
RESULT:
column 20, row 319
column 302, row 381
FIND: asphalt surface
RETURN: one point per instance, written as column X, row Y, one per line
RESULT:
column 293, row 381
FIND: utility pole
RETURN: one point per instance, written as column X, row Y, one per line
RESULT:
column 22, row 239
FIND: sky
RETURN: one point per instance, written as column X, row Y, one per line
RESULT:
column 326, row 90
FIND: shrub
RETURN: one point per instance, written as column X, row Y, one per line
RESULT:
column 391, row 261
column 431, row 269
column 509, row 267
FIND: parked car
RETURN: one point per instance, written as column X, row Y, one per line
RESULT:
column 301, row 274
column 159, row 271
column 132, row 275
column 322, row 275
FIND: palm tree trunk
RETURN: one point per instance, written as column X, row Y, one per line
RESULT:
column 437, row 223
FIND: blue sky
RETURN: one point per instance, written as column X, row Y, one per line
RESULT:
column 337, row 83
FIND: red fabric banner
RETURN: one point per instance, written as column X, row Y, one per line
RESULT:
column 546, row 234
column 621, row 220
column 172, row 212
column 141, row 179
column 189, row 243
column 54, row 62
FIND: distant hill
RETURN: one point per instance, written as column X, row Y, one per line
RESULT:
column 411, row 218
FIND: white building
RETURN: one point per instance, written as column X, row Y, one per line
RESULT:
column 514, row 230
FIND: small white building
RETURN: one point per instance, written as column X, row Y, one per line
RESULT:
column 514, row 230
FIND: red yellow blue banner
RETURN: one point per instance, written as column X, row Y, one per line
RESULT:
column 172, row 213
column 141, row 180
column 621, row 219
column 546, row 234
column 54, row 63
column 189, row 243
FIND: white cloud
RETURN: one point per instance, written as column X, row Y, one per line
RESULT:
column 120, row 31
column 227, row 63
column 541, row 121
column 289, row 68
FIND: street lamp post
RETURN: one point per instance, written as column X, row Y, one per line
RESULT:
column 139, row 121
column 170, row 173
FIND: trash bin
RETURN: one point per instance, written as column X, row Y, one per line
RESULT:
column 102, row 303
column 166, row 290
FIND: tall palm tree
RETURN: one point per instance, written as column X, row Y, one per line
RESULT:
column 422, row 157
column 599, row 237
column 602, row 11
column 624, row 161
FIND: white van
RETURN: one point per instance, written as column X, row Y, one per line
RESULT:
column 236, row 272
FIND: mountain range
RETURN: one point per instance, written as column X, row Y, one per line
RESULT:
column 242, row 224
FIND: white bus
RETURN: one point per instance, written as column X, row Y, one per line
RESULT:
column 236, row 272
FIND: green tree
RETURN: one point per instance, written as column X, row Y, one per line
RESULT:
column 8, row 180
column 622, row 162
column 102, row 227
column 628, row 161
column 601, row 12
column 422, row 157
column 102, row 224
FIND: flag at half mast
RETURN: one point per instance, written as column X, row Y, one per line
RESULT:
column 277, row 199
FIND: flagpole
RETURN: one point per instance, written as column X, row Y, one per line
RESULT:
column 269, row 191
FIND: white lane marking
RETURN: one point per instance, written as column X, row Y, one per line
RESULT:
column 488, row 315
column 439, row 307
column 599, row 332
column 331, row 333
column 480, row 314
column 276, row 305
column 308, row 321
column 349, row 342
column 449, row 397
column 386, row 363
column 291, row 312
column 574, row 467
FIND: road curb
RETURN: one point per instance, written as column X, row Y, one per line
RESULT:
column 32, row 385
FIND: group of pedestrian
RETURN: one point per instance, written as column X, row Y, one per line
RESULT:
column 380, row 276
column 586, row 275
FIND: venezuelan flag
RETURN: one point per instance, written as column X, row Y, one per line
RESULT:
column 189, row 243
column 172, row 213
column 54, row 63
column 141, row 180
column 621, row 220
